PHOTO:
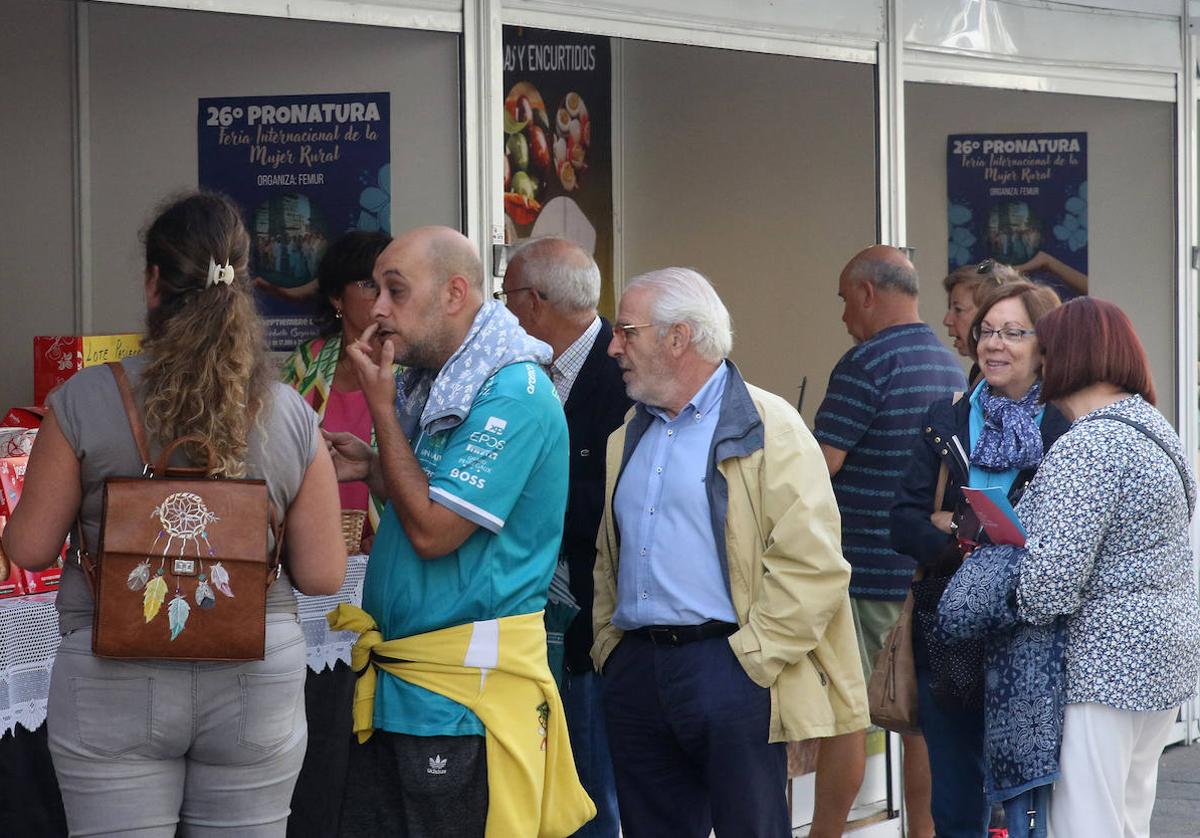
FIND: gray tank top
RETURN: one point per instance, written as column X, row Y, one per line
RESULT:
column 89, row 410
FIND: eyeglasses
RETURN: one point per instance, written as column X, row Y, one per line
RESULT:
column 629, row 330
column 1007, row 334
column 503, row 296
column 366, row 287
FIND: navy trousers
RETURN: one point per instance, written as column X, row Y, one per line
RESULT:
column 954, row 738
column 688, row 732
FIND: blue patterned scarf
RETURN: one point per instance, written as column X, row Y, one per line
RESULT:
column 1010, row 437
column 1024, row 671
column 434, row 400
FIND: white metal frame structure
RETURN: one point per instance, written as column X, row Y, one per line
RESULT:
column 1125, row 49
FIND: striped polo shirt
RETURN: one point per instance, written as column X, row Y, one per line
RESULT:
column 878, row 393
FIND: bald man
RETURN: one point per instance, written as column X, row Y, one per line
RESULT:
column 867, row 424
column 473, row 462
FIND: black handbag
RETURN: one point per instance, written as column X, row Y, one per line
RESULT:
column 956, row 668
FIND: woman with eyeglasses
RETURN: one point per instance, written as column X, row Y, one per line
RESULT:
column 964, row 288
column 321, row 372
column 994, row 435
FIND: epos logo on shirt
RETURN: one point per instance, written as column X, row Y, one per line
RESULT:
column 485, row 439
column 495, row 425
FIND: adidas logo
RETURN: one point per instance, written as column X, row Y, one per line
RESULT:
column 437, row 765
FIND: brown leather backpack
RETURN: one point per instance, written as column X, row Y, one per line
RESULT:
column 183, row 567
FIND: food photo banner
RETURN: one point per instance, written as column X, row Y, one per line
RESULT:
column 304, row 170
column 558, row 140
column 1020, row 199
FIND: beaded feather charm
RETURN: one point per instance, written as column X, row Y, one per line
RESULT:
column 139, row 576
column 220, row 579
column 177, row 614
column 152, row 599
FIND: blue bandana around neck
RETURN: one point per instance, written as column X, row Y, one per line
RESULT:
column 1010, row 437
column 433, row 401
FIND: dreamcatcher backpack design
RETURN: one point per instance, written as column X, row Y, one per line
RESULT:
column 181, row 538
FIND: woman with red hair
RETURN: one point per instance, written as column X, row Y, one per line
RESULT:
column 1108, row 551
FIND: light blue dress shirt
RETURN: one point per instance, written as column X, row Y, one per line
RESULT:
column 669, row 572
column 983, row 478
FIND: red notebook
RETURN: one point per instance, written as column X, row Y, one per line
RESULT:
column 996, row 515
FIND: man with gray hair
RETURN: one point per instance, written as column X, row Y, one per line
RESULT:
column 867, row 424
column 722, row 619
column 553, row 286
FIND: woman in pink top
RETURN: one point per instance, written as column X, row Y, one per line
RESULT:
column 322, row 373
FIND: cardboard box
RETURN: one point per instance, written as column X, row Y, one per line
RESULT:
column 12, row 480
column 13, row 583
column 41, row 581
column 55, row 359
column 23, row 417
column 17, row 442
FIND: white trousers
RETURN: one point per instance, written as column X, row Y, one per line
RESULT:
column 1109, row 765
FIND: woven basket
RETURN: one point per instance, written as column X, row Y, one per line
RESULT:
column 352, row 529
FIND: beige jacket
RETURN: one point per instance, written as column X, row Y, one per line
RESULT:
column 787, row 577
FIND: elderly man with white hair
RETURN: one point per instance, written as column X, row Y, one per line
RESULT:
column 721, row 614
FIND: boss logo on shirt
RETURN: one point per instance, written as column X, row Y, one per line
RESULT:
column 468, row 478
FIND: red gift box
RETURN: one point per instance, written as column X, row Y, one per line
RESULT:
column 18, row 429
column 23, row 417
column 57, row 358
column 12, row 479
column 41, row 581
column 14, row 583
column 17, row 442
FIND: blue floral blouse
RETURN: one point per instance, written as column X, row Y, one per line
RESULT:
column 1107, row 520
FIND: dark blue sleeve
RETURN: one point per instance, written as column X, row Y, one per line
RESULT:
column 913, row 534
column 851, row 402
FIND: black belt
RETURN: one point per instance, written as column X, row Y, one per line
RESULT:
column 679, row 635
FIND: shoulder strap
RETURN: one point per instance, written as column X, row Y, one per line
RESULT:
column 1155, row 438
column 940, row 494
column 944, row 472
column 131, row 411
column 86, row 560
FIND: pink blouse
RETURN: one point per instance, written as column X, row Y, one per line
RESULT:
column 347, row 411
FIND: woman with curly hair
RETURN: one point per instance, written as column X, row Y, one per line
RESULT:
column 143, row 747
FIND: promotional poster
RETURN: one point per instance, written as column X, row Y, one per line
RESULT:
column 1021, row 199
column 304, row 170
column 558, row 141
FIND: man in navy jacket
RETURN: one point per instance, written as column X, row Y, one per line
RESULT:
column 553, row 287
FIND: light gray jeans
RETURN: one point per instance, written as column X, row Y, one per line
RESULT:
column 139, row 747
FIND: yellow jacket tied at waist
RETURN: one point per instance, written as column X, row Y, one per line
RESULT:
column 497, row 669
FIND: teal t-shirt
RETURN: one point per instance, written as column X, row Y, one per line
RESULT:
column 505, row 469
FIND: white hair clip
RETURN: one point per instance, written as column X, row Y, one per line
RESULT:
column 218, row 274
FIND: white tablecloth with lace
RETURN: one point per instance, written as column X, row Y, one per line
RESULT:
column 29, row 640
